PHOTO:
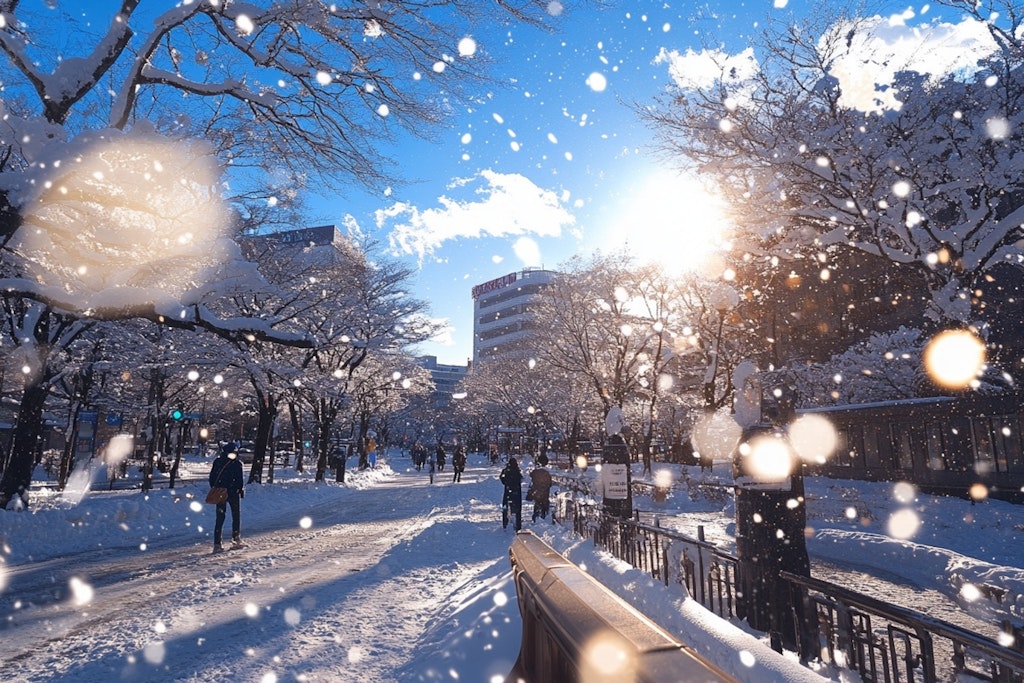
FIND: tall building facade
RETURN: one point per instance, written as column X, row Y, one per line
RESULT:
column 447, row 379
column 503, row 320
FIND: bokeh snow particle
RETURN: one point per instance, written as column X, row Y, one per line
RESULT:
column 597, row 82
column 244, row 25
column 81, row 592
column 155, row 652
column 954, row 358
column 903, row 524
column 467, row 47
column 904, row 492
column 998, row 128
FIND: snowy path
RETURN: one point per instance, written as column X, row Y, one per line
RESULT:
column 351, row 597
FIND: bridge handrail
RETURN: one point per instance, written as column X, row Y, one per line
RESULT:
column 563, row 608
column 912, row 619
column 907, row 648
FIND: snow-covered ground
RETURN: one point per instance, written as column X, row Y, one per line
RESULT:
column 390, row 578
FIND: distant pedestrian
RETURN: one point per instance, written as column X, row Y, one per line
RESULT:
column 371, row 451
column 511, row 478
column 540, row 489
column 458, row 462
column 432, row 464
column 226, row 471
column 419, row 455
column 440, row 457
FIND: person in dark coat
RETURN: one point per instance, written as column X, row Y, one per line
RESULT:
column 512, row 497
column 458, row 462
column 440, row 458
column 540, row 485
column 227, row 472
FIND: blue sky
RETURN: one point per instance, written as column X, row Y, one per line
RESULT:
column 554, row 162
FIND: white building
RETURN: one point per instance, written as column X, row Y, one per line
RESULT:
column 447, row 378
column 503, row 322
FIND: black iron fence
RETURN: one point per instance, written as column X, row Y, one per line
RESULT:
column 851, row 631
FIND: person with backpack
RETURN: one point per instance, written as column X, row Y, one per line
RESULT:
column 539, row 490
column 511, row 478
column 458, row 462
column 226, row 471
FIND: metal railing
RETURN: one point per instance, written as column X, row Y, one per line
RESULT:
column 880, row 641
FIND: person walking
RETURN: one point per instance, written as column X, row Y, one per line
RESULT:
column 440, row 457
column 540, row 489
column 226, row 471
column 512, row 496
column 431, row 464
column 458, row 462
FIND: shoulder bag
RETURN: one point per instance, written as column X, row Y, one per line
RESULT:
column 218, row 494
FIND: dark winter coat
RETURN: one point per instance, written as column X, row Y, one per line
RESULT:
column 227, row 472
column 512, row 478
column 540, row 482
column 459, row 459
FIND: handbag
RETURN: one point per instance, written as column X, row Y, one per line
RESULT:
column 217, row 494
column 529, row 493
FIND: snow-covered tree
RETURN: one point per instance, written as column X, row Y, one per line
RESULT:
column 928, row 176
column 111, row 208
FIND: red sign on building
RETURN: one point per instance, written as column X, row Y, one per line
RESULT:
column 496, row 283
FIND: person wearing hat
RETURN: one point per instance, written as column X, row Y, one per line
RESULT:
column 227, row 472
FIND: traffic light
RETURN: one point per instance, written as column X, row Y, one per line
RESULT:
column 177, row 414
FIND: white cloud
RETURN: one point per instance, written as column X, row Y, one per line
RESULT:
column 445, row 335
column 493, row 205
column 528, row 252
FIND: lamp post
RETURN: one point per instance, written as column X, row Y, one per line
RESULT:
column 770, row 522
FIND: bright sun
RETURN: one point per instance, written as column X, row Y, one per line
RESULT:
column 670, row 219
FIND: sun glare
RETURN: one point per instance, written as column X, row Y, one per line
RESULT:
column 670, row 219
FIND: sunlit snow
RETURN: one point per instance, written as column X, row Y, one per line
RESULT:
column 402, row 580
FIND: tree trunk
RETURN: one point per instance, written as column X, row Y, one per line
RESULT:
column 179, row 447
column 17, row 476
column 156, row 402
column 325, row 414
column 265, row 415
column 67, row 456
column 298, row 442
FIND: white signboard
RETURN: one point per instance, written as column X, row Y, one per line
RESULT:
column 614, row 481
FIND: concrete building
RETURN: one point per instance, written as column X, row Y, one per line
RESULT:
column 318, row 236
column 503, row 323
column 446, row 378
